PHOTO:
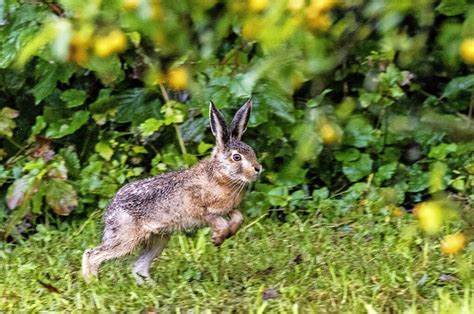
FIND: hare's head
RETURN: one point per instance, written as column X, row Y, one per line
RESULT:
column 232, row 157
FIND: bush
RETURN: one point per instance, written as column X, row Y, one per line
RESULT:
column 360, row 106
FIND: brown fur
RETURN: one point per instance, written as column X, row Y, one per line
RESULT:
column 147, row 212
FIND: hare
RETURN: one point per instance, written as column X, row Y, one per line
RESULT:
column 146, row 212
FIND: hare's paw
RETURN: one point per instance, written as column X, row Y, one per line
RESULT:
column 89, row 271
column 142, row 279
column 236, row 220
column 220, row 228
column 218, row 239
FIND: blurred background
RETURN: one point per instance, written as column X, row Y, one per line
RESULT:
column 362, row 119
column 361, row 108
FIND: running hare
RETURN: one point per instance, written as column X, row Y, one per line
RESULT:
column 148, row 211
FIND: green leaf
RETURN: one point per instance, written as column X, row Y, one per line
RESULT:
column 194, row 129
column 37, row 200
column 150, row 126
column 104, row 150
column 385, row 172
column 74, row 97
column 67, row 126
column 48, row 74
column 292, row 174
column 278, row 196
column 459, row 183
column 39, row 125
column 204, row 147
column 133, row 107
column 356, row 170
column 9, row 113
column 139, row 149
column 6, row 126
column 358, row 132
column 189, row 159
column 319, row 99
column 61, row 196
column 320, row 194
column 437, row 176
column 71, row 160
column 109, row 70
column 103, row 102
column 458, row 85
column 349, row 154
column 174, row 112
column 442, row 150
column 452, row 7
column 366, row 99
column 417, row 179
column 281, row 107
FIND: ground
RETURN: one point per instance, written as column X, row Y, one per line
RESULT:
column 367, row 265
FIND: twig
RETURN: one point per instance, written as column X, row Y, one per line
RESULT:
column 14, row 143
column 180, row 139
column 176, row 127
column 164, row 93
column 471, row 105
column 253, row 222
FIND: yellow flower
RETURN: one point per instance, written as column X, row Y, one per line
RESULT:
column 256, row 6
column 102, row 48
column 178, row 78
column 130, row 5
column 397, row 212
column 250, row 29
column 430, row 216
column 316, row 14
column 323, row 5
column 78, row 48
column 115, row 41
column 453, row 243
column 118, row 41
column 316, row 20
column 467, row 50
column 329, row 134
column 295, row 5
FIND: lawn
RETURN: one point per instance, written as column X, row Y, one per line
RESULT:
column 365, row 265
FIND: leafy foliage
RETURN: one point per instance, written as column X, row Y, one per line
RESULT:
column 364, row 104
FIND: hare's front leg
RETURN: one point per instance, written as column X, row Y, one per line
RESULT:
column 235, row 221
column 152, row 249
column 220, row 228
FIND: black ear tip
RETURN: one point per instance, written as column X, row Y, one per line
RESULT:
column 250, row 101
column 212, row 107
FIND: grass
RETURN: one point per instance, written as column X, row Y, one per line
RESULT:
column 366, row 266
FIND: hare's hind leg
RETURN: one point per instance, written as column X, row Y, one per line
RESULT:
column 92, row 258
column 118, row 240
column 152, row 249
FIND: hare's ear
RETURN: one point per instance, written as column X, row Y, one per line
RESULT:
column 218, row 126
column 241, row 118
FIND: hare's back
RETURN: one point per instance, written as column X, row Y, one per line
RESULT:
column 148, row 195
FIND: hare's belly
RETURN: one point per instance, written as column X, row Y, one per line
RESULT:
column 171, row 222
column 219, row 211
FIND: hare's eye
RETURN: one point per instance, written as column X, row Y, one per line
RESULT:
column 236, row 157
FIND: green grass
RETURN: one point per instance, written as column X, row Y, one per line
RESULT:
column 313, row 266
